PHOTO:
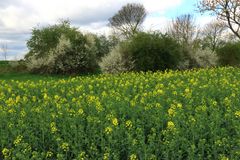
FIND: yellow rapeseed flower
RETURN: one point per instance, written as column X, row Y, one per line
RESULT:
column 65, row 146
column 133, row 157
column 115, row 121
column 53, row 127
column 237, row 114
column 170, row 125
column 108, row 130
column 18, row 140
column 128, row 124
column 5, row 152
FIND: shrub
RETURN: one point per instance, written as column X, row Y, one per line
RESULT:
column 197, row 58
column 116, row 62
column 229, row 54
column 153, row 51
column 73, row 54
column 45, row 39
column 68, row 57
column 205, row 57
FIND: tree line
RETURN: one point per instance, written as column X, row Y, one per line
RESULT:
column 63, row 49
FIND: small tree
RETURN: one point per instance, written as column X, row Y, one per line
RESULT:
column 46, row 38
column 183, row 29
column 128, row 19
column 4, row 49
column 226, row 10
column 212, row 34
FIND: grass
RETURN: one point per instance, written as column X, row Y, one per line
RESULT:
column 28, row 76
column 7, row 72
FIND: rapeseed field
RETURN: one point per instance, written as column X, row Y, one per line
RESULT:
column 191, row 114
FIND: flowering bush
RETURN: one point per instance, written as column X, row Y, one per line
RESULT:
column 69, row 57
column 116, row 61
column 171, row 115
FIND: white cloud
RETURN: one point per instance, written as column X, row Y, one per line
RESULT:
column 27, row 13
column 203, row 20
column 20, row 16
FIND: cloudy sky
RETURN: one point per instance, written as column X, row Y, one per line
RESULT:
column 18, row 17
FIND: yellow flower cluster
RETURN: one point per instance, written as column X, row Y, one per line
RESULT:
column 142, row 115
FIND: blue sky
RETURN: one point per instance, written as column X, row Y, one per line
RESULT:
column 18, row 17
column 187, row 6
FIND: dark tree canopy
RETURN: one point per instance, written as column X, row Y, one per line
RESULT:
column 128, row 19
column 226, row 10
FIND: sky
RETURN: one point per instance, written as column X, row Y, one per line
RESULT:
column 19, row 17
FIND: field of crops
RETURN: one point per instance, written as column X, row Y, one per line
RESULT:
column 173, row 115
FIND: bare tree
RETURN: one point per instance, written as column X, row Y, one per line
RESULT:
column 4, row 49
column 128, row 19
column 212, row 34
column 226, row 10
column 183, row 29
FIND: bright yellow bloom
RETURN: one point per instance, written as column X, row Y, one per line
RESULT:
column 108, row 130
column 115, row 121
column 5, row 152
column 106, row 156
column 53, row 127
column 65, row 147
column 133, row 157
column 18, row 140
column 128, row 124
column 170, row 125
column 237, row 114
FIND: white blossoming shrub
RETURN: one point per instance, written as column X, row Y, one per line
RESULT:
column 68, row 57
column 206, row 57
column 116, row 61
column 199, row 58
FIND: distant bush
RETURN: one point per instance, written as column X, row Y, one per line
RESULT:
column 71, row 52
column 153, row 51
column 18, row 66
column 68, row 57
column 229, row 54
column 46, row 38
column 13, row 67
column 116, row 61
column 198, row 58
column 206, row 58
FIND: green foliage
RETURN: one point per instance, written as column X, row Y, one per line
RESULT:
column 103, row 46
column 70, row 52
column 153, row 51
column 171, row 115
column 46, row 38
column 229, row 54
column 12, row 67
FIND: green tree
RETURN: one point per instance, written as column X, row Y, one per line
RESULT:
column 129, row 18
column 61, row 49
column 153, row 51
column 46, row 38
column 229, row 54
